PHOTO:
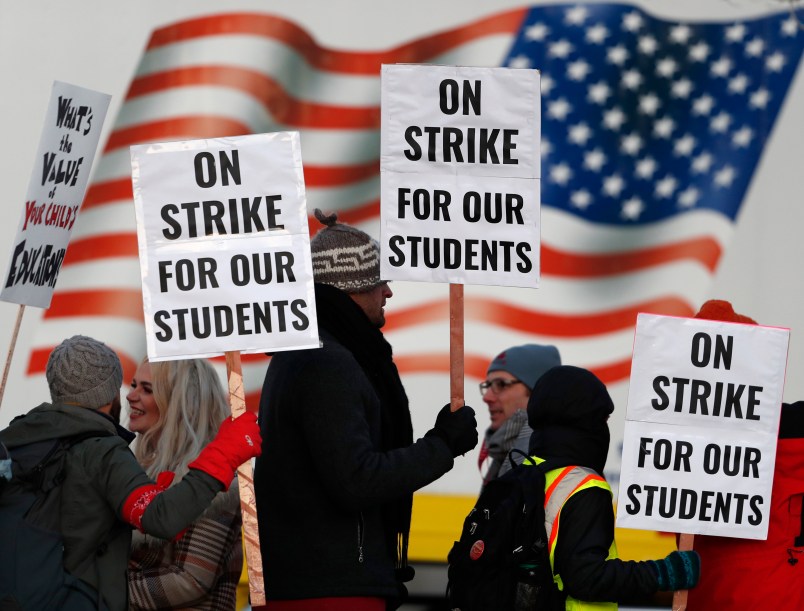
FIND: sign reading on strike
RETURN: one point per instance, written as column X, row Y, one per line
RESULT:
column 56, row 189
column 701, row 427
column 224, row 246
column 460, row 173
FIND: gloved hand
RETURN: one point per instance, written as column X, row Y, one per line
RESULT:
column 678, row 571
column 458, row 429
column 237, row 441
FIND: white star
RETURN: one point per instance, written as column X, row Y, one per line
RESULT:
column 560, row 49
column 578, row 70
column 597, row 34
column 560, row 174
column 735, row 33
column 520, row 61
column 775, row 62
column 699, row 52
column 648, row 45
column 760, row 98
column 684, row 146
column 632, row 209
column 724, row 177
column 538, row 32
column 559, row 109
column 680, row 34
column 581, row 199
column 614, row 119
column 631, row 144
column 577, row 15
column 703, row 105
column 646, row 167
column 681, row 88
column 720, row 123
column 613, row 185
column 666, row 187
column 594, row 160
column 617, row 55
column 790, row 26
column 579, row 134
column 755, row 47
column 547, row 84
column 688, row 197
column 649, row 104
column 666, row 67
column 632, row 22
column 721, row 67
column 664, row 127
column 702, row 163
column 742, row 137
column 632, row 79
column 738, row 84
column 546, row 147
column 599, row 92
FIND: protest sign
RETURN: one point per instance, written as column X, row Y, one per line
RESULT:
column 701, row 427
column 460, row 173
column 224, row 246
column 70, row 135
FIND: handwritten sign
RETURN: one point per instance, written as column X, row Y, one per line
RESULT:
column 701, row 427
column 56, row 189
column 460, row 173
column 224, row 246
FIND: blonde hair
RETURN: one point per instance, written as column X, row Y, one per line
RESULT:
column 192, row 404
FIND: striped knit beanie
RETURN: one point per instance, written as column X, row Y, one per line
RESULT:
column 344, row 257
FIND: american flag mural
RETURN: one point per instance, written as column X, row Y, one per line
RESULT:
column 651, row 131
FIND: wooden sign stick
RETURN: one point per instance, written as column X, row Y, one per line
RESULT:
column 245, row 482
column 685, row 542
column 10, row 354
column 456, row 361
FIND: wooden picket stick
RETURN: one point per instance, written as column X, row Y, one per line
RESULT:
column 456, row 362
column 685, row 542
column 10, row 354
column 245, row 482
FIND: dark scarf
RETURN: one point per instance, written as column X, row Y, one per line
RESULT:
column 340, row 316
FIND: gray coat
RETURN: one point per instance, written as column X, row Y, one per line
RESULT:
column 101, row 472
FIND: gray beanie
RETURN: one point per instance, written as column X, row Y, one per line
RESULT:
column 344, row 257
column 526, row 363
column 83, row 371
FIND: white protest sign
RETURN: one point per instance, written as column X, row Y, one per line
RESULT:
column 460, row 173
column 224, row 246
column 56, row 189
column 701, row 426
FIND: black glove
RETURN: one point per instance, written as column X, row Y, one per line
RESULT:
column 678, row 571
column 458, row 429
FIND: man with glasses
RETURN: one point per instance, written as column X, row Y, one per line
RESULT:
column 506, row 389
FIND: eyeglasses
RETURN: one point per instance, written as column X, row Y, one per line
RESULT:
column 497, row 385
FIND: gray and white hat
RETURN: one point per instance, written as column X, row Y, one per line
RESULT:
column 344, row 257
column 83, row 371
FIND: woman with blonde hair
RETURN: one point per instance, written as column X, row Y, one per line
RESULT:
column 175, row 407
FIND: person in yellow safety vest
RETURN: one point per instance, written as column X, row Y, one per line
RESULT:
column 568, row 411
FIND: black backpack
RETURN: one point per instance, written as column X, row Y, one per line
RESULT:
column 502, row 560
column 32, row 574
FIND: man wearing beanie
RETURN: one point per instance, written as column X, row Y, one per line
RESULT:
column 335, row 482
column 509, row 380
column 103, row 492
column 568, row 411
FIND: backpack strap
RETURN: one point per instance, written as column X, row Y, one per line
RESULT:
column 525, row 455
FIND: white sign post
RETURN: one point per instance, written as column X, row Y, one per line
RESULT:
column 224, row 246
column 55, row 191
column 701, row 427
column 460, row 171
column 460, row 180
column 67, row 146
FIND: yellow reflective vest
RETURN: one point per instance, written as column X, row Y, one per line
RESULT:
column 560, row 485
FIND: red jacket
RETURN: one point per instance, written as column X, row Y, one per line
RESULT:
column 749, row 574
